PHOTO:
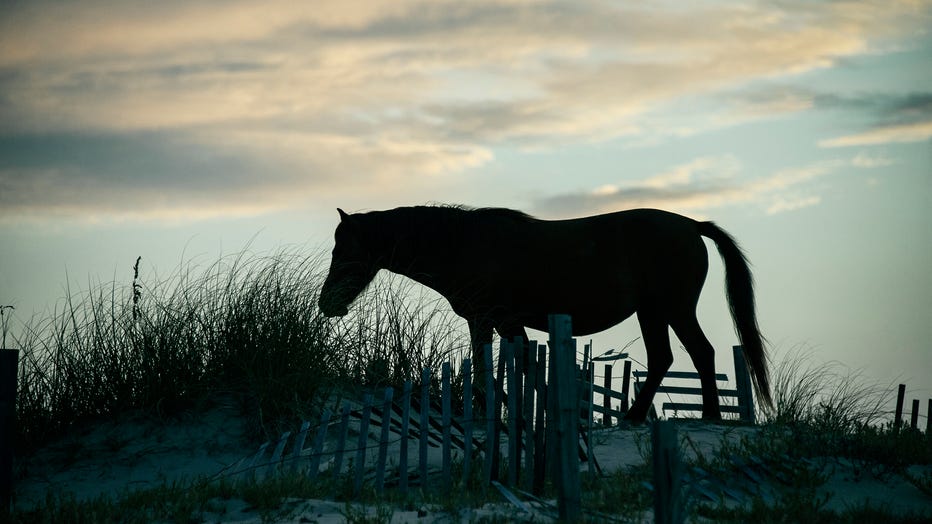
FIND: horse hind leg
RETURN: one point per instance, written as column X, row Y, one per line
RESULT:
column 703, row 356
column 656, row 334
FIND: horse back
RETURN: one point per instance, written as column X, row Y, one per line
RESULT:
column 596, row 268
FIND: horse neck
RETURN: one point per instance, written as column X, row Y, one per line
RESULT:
column 414, row 243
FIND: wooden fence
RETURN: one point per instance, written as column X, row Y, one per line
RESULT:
column 914, row 412
column 739, row 401
column 530, row 430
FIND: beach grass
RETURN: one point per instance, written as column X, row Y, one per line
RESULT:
column 246, row 325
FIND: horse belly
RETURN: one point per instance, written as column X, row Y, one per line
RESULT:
column 595, row 298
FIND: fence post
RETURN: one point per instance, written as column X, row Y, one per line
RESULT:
column 425, row 426
column 626, row 386
column 275, row 461
column 467, row 419
column 667, row 502
column 528, row 414
column 929, row 418
column 9, row 361
column 490, row 426
column 518, row 348
column 341, row 443
column 319, row 444
column 590, row 458
column 299, row 445
column 901, row 393
column 508, row 348
column 743, row 385
column 445, row 417
column 362, row 443
column 540, row 419
column 499, row 406
column 383, row 440
column 405, row 424
column 563, row 349
column 914, row 415
column 607, row 399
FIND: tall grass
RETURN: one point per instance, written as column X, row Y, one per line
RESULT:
column 834, row 395
column 246, row 325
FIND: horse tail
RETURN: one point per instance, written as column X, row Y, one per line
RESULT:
column 739, row 287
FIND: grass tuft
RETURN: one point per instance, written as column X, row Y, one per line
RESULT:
column 246, row 325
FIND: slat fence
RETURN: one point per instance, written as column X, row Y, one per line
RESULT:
column 532, row 434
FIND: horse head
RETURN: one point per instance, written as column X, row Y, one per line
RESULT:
column 352, row 267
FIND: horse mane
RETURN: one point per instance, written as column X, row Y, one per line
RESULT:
column 436, row 223
column 466, row 212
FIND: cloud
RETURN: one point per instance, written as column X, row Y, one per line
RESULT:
column 915, row 132
column 301, row 99
column 704, row 183
column 863, row 160
column 896, row 118
column 141, row 175
column 782, row 204
column 161, row 176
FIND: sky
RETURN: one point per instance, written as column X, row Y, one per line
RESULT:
column 182, row 131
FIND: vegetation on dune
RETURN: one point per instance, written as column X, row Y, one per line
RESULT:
column 248, row 327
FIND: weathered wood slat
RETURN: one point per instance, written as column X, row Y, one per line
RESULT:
column 668, row 503
column 318, row 449
column 528, row 414
column 684, row 390
column 489, row 415
column 446, row 416
column 362, row 443
column 540, row 421
column 614, row 413
column 686, row 406
column 467, row 419
column 383, row 443
column 607, row 392
column 606, row 396
column 563, row 347
column 277, row 453
column 425, row 413
column 405, row 421
column 251, row 468
column 743, row 385
column 508, row 348
column 341, row 440
column 299, row 445
column 639, row 373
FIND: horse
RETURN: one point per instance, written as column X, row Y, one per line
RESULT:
column 505, row 270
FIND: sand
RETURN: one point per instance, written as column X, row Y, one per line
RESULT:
column 141, row 452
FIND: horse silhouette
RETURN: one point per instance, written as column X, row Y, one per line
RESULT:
column 502, row 269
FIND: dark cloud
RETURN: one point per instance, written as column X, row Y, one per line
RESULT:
column 104, row 172
column 886, row 109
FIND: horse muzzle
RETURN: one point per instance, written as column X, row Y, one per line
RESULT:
column 340, row 312
column 329, row 310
